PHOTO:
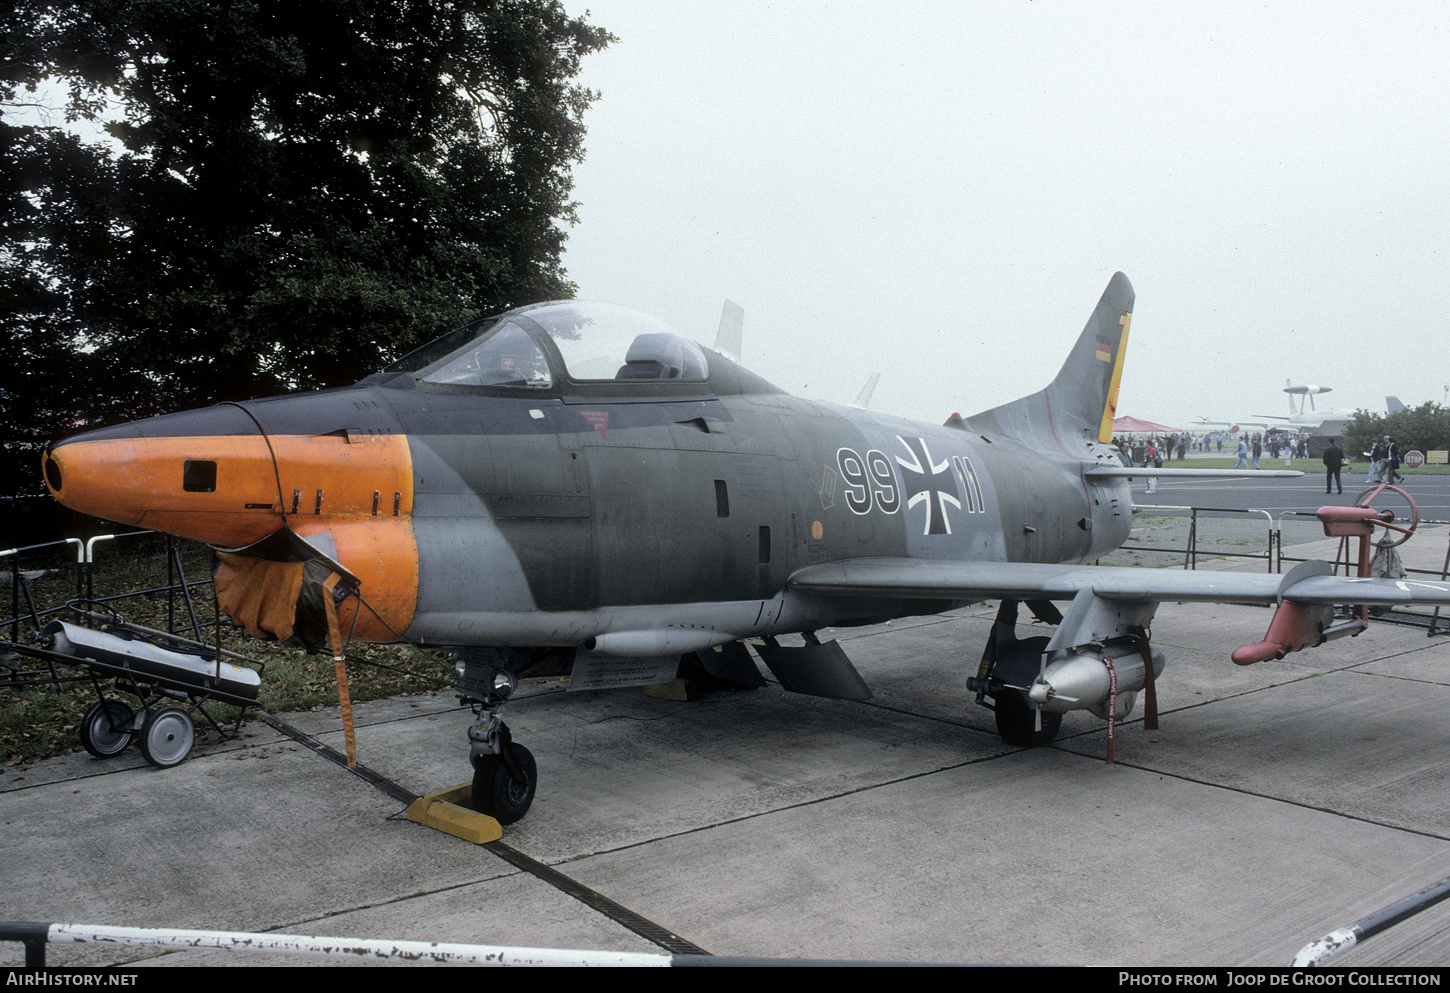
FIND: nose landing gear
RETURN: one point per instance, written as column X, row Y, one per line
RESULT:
column 504, row 784
column 505, row 775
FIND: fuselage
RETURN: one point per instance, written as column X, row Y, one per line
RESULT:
column 634, row 516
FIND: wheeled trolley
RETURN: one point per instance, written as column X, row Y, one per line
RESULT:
column 185, row 672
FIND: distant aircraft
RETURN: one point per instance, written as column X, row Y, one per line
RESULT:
column 572, row 487
column 729, row 338
column 863, row 395
column 1325, row 422
column 1304, row 417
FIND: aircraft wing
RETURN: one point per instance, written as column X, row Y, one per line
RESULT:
column 1124, row 472
column 885, row 578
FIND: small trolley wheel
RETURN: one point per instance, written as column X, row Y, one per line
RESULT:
column 495, row 792
column 167, row 736
column 106, row 728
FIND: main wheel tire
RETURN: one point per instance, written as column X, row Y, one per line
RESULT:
column 106, row 728
column 167, row 737
column 494, row 791
column 1017, row 721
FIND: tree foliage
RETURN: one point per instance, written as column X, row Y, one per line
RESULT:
column 1424, row 428
column 299, row 193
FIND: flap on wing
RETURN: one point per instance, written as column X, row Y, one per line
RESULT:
column 920, row 579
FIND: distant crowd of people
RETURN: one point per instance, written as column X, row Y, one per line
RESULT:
column 1250, row 449
column 1384, row 460
column 1177, row 446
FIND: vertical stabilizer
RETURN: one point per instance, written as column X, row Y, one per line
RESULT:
column 731, row 334
column 1079, row 405
column 863, row 396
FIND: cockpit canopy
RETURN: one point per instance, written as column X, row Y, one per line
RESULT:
column 534, row 346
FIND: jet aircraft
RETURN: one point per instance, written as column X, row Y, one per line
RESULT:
column 1306, row 417
column 573, row 487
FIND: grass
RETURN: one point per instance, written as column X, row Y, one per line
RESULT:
column 41, row 722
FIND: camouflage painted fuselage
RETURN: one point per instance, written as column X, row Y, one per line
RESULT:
column 633, row 518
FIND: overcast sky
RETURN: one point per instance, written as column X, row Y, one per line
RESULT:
column 941, row 191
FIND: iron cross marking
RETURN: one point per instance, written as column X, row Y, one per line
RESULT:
column 919, row 474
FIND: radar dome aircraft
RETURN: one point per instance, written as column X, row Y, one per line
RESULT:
column 1305, row 416
column 573, row 487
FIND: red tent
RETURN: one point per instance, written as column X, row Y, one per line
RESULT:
column 1131, row 425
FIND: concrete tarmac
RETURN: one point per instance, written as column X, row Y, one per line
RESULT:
column 1275, row 803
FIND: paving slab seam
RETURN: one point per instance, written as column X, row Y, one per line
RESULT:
column 1427, row 647
column 641, row 926
column 113, row 770
column 1251, row 793
column 727, row 822
column 933, row 718
column 69, row 779
column 445, row 710
column 381, row 782
column 618, row 913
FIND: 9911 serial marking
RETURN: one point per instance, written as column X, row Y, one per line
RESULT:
column 868, row 482
column 971, row 484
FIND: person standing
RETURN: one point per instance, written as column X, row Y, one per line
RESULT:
column 1152, row 460
column 1258, row 450
column 1333, row 459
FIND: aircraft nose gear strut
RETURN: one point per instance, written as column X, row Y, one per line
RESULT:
column 505, row 775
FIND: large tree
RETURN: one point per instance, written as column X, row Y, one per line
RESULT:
column 299, row 192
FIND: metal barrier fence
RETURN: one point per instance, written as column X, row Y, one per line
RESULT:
column 1190, row 551
column 1274, row 558
column 25, row 611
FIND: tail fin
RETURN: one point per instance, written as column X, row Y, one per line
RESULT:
column 1080, row 404
column 731, row 334
column 863, row 396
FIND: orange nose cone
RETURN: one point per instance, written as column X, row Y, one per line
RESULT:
column 107, row 479
column 221, row 490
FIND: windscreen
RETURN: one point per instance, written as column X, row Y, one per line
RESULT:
column 604, row 341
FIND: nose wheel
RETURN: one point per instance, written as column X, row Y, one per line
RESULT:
column 505, row 775
column 504, row 790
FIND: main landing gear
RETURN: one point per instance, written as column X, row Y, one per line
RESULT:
column 1008, row 668
column 1018, row 723
column 505, row 775
column 1097, row 660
